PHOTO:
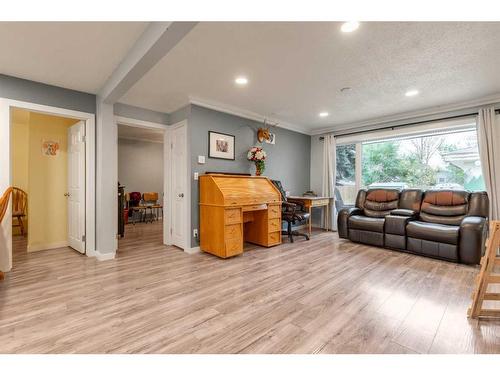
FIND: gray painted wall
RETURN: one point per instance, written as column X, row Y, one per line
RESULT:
column 140, row 165
column 288, row 160
column 138, row 113
column 40, row 93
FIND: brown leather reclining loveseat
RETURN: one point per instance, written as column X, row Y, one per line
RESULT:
column 444, row 224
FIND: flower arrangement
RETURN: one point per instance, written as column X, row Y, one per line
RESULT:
column 258, row 156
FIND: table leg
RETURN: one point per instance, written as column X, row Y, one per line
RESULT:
column 310, row 221
column 327, row 217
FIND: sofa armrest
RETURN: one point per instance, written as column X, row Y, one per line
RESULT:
column 343, row 220
column 473, row 232
column 404, row 212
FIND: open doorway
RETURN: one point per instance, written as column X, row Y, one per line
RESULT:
column 48, row 161
column 141, row 189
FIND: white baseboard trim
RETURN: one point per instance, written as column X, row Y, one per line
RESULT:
column 105, row 256
column 193, row 250
column 47, row 246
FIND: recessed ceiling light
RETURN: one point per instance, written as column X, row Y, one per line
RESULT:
column 323, row 114
column 349, row 27
column 241, row 81
column 411, row 93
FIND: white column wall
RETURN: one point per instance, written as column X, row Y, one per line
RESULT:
column 106, row 181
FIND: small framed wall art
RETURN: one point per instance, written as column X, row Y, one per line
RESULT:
column 220, row 145
column 50, row 147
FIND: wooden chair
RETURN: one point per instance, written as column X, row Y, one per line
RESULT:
column 150, row 200
column 19, row 204
column 4, row 202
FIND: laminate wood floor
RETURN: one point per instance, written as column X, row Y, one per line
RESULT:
column 325, row 295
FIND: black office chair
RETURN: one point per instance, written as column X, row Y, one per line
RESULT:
column 291, row 213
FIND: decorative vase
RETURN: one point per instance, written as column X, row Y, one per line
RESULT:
column 259, row 167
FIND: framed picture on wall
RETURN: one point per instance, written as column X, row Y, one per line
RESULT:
column 220, row 145
column 50, row 148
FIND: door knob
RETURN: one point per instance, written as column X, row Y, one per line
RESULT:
column 67, row 194
column 181, row 195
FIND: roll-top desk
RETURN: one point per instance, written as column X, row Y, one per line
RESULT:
column 234, row 209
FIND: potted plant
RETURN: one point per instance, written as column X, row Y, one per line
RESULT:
column 258, row 156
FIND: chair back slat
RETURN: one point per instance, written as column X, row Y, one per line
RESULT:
column 19, row 200
column 4, row 202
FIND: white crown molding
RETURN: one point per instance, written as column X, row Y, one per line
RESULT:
column 220, row 107
column 466, row 105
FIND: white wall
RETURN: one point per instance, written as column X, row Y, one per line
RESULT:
column 140, row 165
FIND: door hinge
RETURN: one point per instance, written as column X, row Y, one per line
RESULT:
column 84, row 238
column 84, row 138
column 171, row 146
column 170, row 230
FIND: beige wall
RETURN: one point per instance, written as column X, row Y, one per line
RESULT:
column 44, row 178
column 20, row 155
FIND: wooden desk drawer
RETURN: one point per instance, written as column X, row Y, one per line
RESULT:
column 234, row 247
column 233, row 231
column 274, row 225
column 255, row 207
column 274, row 211
column 319, row 202
column 274, row 238
column 232, row 216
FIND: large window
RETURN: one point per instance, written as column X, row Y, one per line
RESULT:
column 425, row 157
column 444, row 161
column 346, row 175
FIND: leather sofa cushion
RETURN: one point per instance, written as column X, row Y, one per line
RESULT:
column 446, row 197
column 382, row 195
column 411, row 199
column 444, row 206
column 372, row 224
column 433, row 232
column 380, row 202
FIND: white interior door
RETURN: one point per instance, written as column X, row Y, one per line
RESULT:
column 76, row 187
column 179, row 186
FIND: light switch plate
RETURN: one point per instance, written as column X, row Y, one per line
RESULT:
column 201, row 159
column 196, row 174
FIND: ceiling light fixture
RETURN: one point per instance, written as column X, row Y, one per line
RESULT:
column 349, row 27
column 411, row 93
column 323, row 114
column 241, row 81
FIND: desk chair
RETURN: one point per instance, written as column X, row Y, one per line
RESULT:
column 291, row 213
column 19, row 203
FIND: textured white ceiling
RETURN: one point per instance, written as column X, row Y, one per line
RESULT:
column 76, row 55
column 297, row 69
column 142, row 134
